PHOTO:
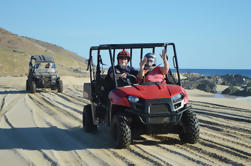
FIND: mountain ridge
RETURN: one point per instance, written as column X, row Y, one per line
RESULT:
column 15, row 53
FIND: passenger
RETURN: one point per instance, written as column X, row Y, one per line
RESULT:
column 149, row 72
column 122, row 69
column 48, row 65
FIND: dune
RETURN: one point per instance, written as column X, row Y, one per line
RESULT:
column 46, row 129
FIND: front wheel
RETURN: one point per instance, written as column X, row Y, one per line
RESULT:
column 121, row 131
column 87, row 119
column 60, row 86
column 27, row 86
column 33, row 87
column 190, row 127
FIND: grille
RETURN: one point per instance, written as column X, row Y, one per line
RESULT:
column 159, row 108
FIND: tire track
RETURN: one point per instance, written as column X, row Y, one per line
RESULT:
column 212, row 105
column 217, row 115
column 144, row 157
column 3, row 103
column 220, row 158
column 80, row 99
column 225, row 148
column 226, row 139
column 155, row 157
column 8, row 122
column 8, row 104
column 122, row 158
column 59, row 109
column 177, row 148
column 182, row 155
column 239, row 129
column 64, row 105
column 224, row 113
column 69, row 100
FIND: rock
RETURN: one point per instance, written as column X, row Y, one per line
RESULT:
column 203, row 83
column 208, row 86
column 208, row 83
column 237, row 92
column 234, row 80
column 230, row 90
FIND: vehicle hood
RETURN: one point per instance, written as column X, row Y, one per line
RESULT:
column 149, row 92
column 119, row 96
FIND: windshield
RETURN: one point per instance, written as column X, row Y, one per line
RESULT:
column 45, row 67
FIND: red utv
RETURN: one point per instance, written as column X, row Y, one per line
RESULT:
column 137, row 108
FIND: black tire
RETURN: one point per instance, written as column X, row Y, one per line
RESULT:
column 33, row 87
column 60, row 86
column 87, row 119
column 27, row 86
column 190, row 128
column 121, row 132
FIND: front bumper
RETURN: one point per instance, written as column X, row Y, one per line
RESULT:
column 46, row 82
column 159, row 111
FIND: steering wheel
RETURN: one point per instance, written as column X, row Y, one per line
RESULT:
column 130, row 79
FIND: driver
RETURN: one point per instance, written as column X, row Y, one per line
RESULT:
column 149, row 72
column 122, row 69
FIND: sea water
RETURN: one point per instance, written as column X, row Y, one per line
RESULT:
column 220, row 72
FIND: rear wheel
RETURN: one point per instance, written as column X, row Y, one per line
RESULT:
column 190, row 128
column 60, row 86
column 33, row 87
column 121, row 131
column 87, row 119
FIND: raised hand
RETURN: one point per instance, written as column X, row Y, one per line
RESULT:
column 143, row 62
column 163, row 56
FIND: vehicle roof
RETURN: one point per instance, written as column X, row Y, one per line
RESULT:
column 42, row 58
column 128, row 46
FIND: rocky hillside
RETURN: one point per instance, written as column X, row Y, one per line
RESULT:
column 15, row 52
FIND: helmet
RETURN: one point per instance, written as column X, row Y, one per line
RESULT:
column 123, row 54
column 151, row 55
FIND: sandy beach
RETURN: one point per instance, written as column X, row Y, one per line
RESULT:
column 46, row 129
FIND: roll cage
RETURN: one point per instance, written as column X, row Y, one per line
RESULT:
column 112, row 49
column 37, row 59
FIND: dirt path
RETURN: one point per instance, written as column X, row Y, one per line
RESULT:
column 46, row 129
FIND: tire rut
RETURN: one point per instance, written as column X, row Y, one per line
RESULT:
column 64, row 105
column 122, row 158
column 214, row 155
column 59, row 109
column 3, row 103
column 153, row 156
column 144, row 157
column 187, row 157
column 212, row 105
column 217, row 115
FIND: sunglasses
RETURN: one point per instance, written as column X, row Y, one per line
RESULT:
column 122, row 58
column 150, row 61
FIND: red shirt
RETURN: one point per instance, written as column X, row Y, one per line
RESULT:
column 155, row 75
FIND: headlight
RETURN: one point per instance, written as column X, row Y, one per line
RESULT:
column 133, row 99
column 178, row 97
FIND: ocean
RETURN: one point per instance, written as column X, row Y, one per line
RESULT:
column 211, row 72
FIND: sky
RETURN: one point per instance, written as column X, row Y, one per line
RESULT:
column 208, row 34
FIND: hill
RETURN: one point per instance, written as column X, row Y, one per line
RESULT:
column 15, row 52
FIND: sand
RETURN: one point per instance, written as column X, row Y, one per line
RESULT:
column 46, row 129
